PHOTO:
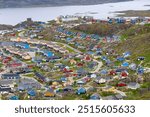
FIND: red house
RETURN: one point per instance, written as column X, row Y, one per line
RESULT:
column 7, row 59
column 79, row 64
column 112, row 72
column 15, row 65
column 75, row 75
column 87, row 58
column 124, row 74
column 121, row 85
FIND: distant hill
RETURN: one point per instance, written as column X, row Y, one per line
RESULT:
column 6, row 27
column 36, row 3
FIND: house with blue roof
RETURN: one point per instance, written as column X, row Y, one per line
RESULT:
column 22, row 45
column 31, row 93
column 69, row 39
column 120, row 58
column 63, row 79
column 95, row 97
column 103, row 72
column 90, row 52
column 81, row 72
column 10, row 76
column 47, row 53
column 81, row 90
column 40, row 76
column 126, row 54
column 4, row 89
column 14, row 98
column 140, row 70
column 125, row 64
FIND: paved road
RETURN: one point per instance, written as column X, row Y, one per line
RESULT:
column 76, row 50
column 100, row 64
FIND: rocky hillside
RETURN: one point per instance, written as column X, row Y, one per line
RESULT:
column 136, row 40
column 6, row 27
column 32, row 3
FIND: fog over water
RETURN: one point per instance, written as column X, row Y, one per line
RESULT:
column 101, row 11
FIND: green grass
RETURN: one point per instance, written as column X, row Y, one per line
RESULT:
column 104, row 93
column 136, row 95
column 1, row 64
column 137, row 43
column 30, row 75
column 133, row 13
column 70, row 50
column 145, row 85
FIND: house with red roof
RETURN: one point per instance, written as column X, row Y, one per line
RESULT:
column 112, row 72
column 87, row 58
column 124, row 74
column 80, row 64
column 121, row 84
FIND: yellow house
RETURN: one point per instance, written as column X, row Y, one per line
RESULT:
column 72, row 61
column 49, row 94
column 109, row 89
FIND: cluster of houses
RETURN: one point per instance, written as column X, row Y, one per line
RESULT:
column 67, row 18
column 83, row 36
column 52, row 45
column 75, row 74
column 90, row 19
column 121, row 20
column 16, row 51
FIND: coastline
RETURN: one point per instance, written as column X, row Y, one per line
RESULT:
column 134, row 13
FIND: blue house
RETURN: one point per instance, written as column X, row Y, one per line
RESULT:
column 103, row 72
column 48, row 53
column 81, row 72
column 125, row 64
column 126, row 54
column 10, row 76
column 104, row 58
column 90, row 52
column 68, row 39
column 63, row 79
column 110, row 21
column 120, row 58
column 95, row 97
column 31, row 93
column 140, row 70
column 40, row 76
column 23, row 45
column 81, row 90
column 14, row 98
column 5, row 89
